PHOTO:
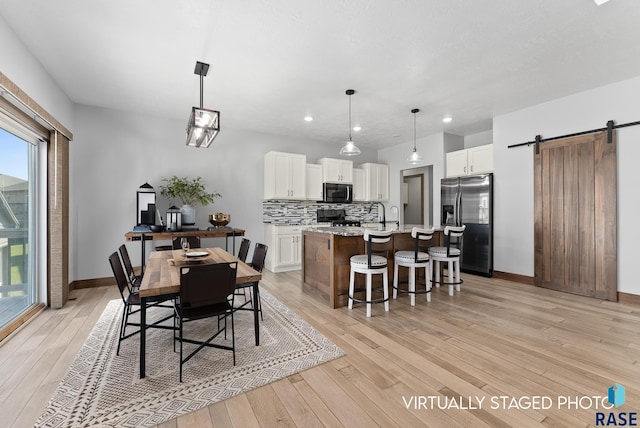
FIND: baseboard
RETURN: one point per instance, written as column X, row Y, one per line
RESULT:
column 92, row 283
column 529, row 280
column 522, row 279
column 628, row 298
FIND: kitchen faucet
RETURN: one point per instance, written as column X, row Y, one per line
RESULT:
column 394, row 209
column 384, row 219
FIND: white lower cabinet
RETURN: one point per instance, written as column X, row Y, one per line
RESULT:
column 285, row 247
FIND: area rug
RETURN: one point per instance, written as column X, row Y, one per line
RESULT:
column 102, row 389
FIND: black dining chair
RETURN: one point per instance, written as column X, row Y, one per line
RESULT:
column 257, row 263
column 204, row 293
column 243, row 252
column 131, row 299
column 134, row 279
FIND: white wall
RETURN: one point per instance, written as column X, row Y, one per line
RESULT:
column 513, row 190
column 453, row 142
column 25, row 71
column 432, row 150
column 114, row 152
column 19, row 66
column 478, row 139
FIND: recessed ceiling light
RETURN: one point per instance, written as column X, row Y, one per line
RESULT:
column 447, row 119
column 308, row 118
column 599, row 2
column 357, row 128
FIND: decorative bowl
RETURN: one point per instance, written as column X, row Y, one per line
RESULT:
column 156, row 228
column 219, row 219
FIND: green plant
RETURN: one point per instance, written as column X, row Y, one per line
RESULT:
column 187, row 190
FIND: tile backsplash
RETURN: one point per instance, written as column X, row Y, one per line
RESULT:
column 301, row 212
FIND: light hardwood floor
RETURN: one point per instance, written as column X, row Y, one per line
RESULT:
column 495, row 338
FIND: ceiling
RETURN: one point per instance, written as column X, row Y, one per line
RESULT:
column 275, row 61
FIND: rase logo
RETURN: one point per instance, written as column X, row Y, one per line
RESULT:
column 616, row 397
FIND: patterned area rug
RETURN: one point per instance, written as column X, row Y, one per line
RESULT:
column 102, row 389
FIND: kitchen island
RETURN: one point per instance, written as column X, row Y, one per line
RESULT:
column 326, row 252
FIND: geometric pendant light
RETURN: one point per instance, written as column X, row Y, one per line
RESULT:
column 415, row 157
column 350, row 149
column 203, row 124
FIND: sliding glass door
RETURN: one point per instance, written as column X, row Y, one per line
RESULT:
column 18, row 179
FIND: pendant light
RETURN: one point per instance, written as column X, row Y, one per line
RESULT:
column 203, row 124
column 415, row 157
column 350, row 149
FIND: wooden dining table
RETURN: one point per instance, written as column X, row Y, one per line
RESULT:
column 162, row 279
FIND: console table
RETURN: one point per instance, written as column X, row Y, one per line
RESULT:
column 222, row 232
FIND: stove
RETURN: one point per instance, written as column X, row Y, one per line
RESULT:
column 336, row 218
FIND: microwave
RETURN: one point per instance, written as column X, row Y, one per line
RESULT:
column 337, row 193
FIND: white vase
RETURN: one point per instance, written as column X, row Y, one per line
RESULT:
column 188, row 214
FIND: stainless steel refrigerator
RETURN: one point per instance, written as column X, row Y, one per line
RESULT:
column 469, row 201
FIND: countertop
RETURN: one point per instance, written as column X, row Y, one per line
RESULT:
column 359, row 231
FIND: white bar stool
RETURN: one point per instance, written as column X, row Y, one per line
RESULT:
column 450, row 253
column 418, row 258
column 370, row 264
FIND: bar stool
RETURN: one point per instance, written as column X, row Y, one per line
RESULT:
column 450, row 253
column 418, row 258
column 370, row 264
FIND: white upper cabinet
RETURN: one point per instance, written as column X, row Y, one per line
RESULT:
column 457, row 163
column 475, row 160
column 314, row 182
column 285, row 176
column 480, row 159
column 336, row 170
column 376, row 181
column 359, row 187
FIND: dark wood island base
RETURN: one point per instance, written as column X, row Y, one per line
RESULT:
column 326, row 253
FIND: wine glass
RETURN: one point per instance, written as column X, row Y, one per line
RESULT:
column 184, row 243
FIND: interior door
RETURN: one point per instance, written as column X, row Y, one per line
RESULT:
column 414, row 205
column 575, row 224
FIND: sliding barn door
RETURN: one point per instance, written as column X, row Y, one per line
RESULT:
column 575, row 216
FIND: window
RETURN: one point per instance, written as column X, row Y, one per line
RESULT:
column 18, row 221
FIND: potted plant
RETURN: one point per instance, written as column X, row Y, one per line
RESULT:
column 189, row 191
